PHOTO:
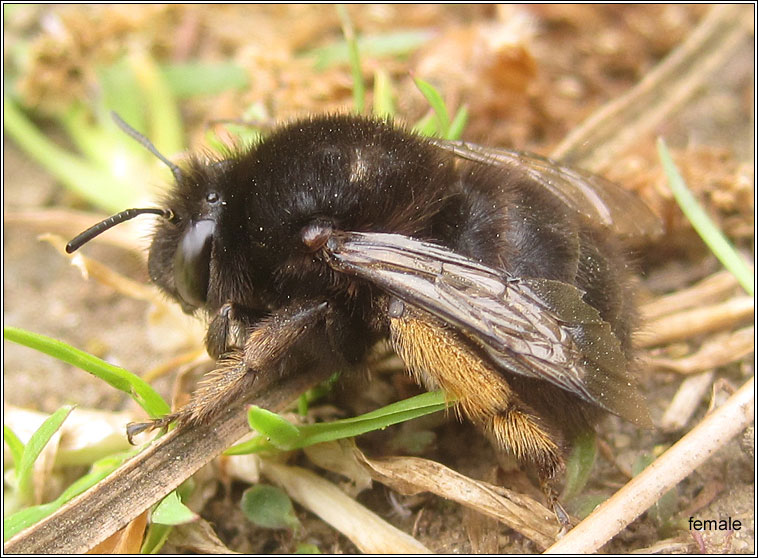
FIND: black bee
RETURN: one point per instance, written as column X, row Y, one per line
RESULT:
column 495, row 274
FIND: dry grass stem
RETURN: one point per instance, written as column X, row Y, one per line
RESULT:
column 664, row 473
column 686, row 401
column 668, row 546
column 713, row 288
column 369, row 532
column 716, row 352
column 690, row 323
column 622, row 122
column 68, row 223
column 103, row 274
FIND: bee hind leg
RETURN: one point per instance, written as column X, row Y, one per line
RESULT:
column 520, row 431
column 439, row 357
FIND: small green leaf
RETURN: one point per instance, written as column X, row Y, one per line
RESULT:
column 579, row 465
column 707, row 230
column 282, row 433
column 116, row 376
column 34, row 447
column 269, row 507
column 155, row 538
column 307, row 548
column 171, row 511
column 14, row 444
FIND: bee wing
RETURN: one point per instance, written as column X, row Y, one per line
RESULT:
column 594, row 197
column 538, row 328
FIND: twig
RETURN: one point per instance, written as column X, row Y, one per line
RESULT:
column 663, row 474
column 687, row 399
column 690, row 323
column 621, row 123
column 148, row 477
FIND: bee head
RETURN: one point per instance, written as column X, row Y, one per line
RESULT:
column 185, row 271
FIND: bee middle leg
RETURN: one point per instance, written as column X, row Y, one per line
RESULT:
column 267, row 344
column 438, row 357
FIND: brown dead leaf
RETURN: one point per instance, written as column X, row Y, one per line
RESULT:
column 126, row 541
column 198, row 537
column 410, row 475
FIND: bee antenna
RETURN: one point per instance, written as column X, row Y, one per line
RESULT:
column 95, row 230
column 175, row 170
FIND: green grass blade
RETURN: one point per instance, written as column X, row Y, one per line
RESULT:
column 458, row 124
column 76, row 174
column 707, row 230
column 428, row 125
column 434, row 98
column 310, row 434
column 392, row 44
column 27, row 517
column 115, row 376
column 121, row 93
column 579, row 465
column 384, row 104
column 195, row 79
column 359, row 85
column 281, row 433
column 15, row 444
column 165, row 129
column 34, row 447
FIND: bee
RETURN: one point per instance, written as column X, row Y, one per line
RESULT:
column 498, row 276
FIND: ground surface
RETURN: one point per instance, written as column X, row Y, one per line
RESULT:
column 566, row 63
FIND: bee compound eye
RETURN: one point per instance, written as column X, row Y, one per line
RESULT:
column 192, row 263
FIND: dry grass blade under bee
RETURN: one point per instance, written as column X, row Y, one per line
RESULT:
column 364, row 528
column 410, row 475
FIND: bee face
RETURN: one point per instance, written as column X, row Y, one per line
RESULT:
column 183, row 248
column 490, row 271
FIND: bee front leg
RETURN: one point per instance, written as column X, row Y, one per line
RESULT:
column 228, row 328
column 231, row 383
column 439, row 357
